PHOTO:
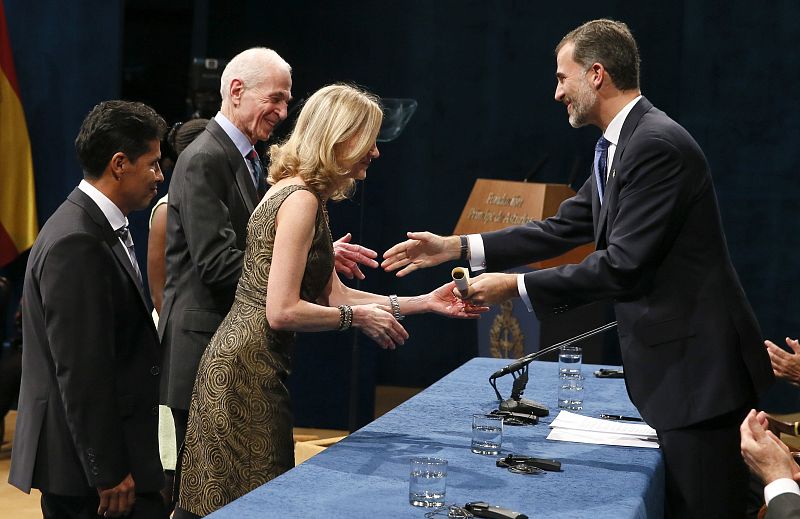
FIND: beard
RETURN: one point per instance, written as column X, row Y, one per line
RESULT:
column 582, row 102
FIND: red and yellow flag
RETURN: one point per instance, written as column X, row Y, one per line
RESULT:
column 18, row 225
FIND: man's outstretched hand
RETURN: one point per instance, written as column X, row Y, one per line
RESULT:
column 421, row 250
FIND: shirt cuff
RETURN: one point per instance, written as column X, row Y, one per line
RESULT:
column 477, row 258
column 780, row 486
column 523, row 292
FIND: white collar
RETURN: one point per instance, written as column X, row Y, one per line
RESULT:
column 110, row 210
column 615, row 126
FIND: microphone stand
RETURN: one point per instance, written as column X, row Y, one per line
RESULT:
column 519, row 370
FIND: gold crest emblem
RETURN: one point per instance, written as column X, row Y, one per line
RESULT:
column 506, row 340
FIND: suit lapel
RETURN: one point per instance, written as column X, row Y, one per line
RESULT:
column 110, row 237
column 244, row 180
column 628, row 127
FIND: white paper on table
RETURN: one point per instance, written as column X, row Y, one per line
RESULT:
column 583, row 429
column 624, row 440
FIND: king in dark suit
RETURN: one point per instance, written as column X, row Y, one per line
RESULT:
column 86, row 432
column 691, row 345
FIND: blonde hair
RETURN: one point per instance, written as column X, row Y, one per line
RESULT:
column 316, row 151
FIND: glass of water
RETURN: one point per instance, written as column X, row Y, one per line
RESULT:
column 570, row 393
column 427, row 482
column 569, row 361
column 487, row 433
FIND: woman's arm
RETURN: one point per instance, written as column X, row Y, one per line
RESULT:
column 441, row 301
column 285, row 309
column 156, row 256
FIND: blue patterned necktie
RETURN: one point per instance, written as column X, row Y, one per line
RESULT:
column 258, row 173
column 601, row 165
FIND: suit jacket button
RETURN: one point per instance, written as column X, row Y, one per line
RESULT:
column 155, row 409
column 155, row 370
column 90, row 452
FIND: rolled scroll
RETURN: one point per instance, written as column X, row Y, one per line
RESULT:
column 461, row 277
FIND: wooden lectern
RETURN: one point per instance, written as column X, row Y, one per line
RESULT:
column 495, row 204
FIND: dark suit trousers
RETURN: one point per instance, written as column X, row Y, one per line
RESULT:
column 705, row 474
column 147, row 506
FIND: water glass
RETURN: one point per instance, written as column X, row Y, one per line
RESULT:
column 569, row 361
column 487, row 433
column 570, row 393
column 427, row 482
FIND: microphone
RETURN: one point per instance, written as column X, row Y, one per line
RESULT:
column 527, row 359
column 519, row 370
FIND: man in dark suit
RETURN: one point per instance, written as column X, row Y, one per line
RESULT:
column 217, row 182
column 691, row 345
column 86, row 432
column 771, row 461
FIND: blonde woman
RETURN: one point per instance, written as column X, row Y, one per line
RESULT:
column 240, row 424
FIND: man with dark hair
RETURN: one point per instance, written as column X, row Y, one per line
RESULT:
column 86, row 432
column 690, row 341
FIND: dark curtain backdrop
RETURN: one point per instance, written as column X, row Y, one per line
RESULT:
column 483, row 74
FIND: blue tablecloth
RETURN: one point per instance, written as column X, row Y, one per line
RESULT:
column 366, row 474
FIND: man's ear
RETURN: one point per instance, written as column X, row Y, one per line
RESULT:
column 600, row 75
column 236, row 90
column 118, row 161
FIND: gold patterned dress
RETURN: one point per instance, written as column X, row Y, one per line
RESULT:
column 239, row 434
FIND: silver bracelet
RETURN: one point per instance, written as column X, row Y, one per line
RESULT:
column 396, row 308
column 345, row 317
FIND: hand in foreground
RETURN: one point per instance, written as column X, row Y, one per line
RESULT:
column 767, row 456
column 349, row 255
column 117, row 501
column 785, row 365
column 379, row 325
column 421, row 250
column 443, row 301
column 491, row 289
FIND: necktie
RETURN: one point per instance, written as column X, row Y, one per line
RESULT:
column 258, row 173
column 126, row 238
column 601, row 164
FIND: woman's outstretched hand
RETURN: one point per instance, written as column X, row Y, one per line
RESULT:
column 443, row 301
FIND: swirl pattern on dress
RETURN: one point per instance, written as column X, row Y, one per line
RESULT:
column 239, row 434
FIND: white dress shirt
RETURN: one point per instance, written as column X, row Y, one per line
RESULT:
column 115, row 218
column 780, row 486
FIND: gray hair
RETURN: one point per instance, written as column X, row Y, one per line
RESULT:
column 251, row 67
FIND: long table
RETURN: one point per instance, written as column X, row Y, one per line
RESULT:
column 366, row 474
